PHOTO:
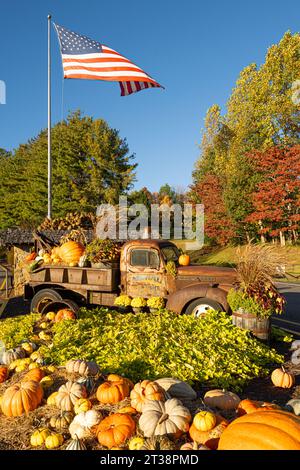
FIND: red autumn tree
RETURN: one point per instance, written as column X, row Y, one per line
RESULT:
column 277, row 197
column 217, row 224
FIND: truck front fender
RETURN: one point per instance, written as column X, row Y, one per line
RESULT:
column 178, row 301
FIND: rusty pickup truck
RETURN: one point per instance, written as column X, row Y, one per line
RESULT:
column 142, row 271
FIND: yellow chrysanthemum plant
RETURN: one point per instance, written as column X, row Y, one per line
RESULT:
column 156, row 303
column 138, row 304
column 123, row 302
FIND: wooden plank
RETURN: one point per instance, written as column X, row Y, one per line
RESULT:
column 3, row 304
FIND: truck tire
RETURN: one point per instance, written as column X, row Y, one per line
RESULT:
column 59, row 304
column 200, row 306
column 42, row 298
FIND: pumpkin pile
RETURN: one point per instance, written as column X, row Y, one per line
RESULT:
column 79, row 407
column 110, row 411
column 68, row 253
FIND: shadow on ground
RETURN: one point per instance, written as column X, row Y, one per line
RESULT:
column 16, row 306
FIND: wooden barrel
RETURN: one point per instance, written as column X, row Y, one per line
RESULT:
column 260, row 327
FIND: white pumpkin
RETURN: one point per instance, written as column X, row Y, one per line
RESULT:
column 10, row 355
column 295, row 358
column 83, row 423
column 295, row 405
column 68, row 394
column 177, row 389
column 160, row 418
column 295, row 345
column 79, row 366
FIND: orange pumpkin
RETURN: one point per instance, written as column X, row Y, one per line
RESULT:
column 3, row 374
column 64, row 314
column 144, row 391
column 34, row 374
column 114, row 430
column 282, row 378
column 31, row 256
column 268, row 430
column 127, row 409
column 71, row 251
column 21, row 398
column 250, row 406
column 119, row 378
column 209, row 438
column 184, row 260
column 112, row 392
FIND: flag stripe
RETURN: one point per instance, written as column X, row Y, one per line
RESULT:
column 109, row 78
column 84, row 58
column 97, row 60
column 105, row 69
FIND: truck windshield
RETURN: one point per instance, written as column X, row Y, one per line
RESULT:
column 170, row 253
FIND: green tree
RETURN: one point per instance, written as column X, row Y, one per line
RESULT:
column 141, row 196
column 167, row 194
column 4, row 154
column 91, row 165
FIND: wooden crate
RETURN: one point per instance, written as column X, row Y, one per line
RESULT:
column 75, row 275
column 57, row 274
column 39, row 276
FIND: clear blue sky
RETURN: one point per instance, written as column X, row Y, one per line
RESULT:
column 195, row 48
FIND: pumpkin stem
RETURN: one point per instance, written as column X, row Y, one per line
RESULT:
column 163, row 418
column 283, row 369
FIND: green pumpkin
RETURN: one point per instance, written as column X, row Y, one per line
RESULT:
column 158, row 443
column 89, row 383
column 62, row 421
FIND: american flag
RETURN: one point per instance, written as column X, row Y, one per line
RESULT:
column 83, row 57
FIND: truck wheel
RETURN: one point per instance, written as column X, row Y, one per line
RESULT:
column 200, row 306
column 42, row 298
column 59, row 304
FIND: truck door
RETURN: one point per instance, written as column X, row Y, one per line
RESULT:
column 145, row 275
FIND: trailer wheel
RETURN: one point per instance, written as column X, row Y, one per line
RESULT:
column 59, row 304
column 42, row 298
column 202, row 305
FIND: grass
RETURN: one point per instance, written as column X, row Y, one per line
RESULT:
column 215, row 256
column 227, row 256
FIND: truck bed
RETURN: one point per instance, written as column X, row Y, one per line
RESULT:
column 105, row 279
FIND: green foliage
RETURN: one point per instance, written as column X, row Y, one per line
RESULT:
column 278, row 334
column 210, row 350
column 238, row 299
column 99, row 250
column 171, row 268
column 16, row 329
column 141, row 196
column 91, row 165
column 166, row 192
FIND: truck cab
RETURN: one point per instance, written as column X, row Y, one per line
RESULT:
column 143, row 271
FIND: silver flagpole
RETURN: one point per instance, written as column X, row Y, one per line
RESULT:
column 49, row 123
